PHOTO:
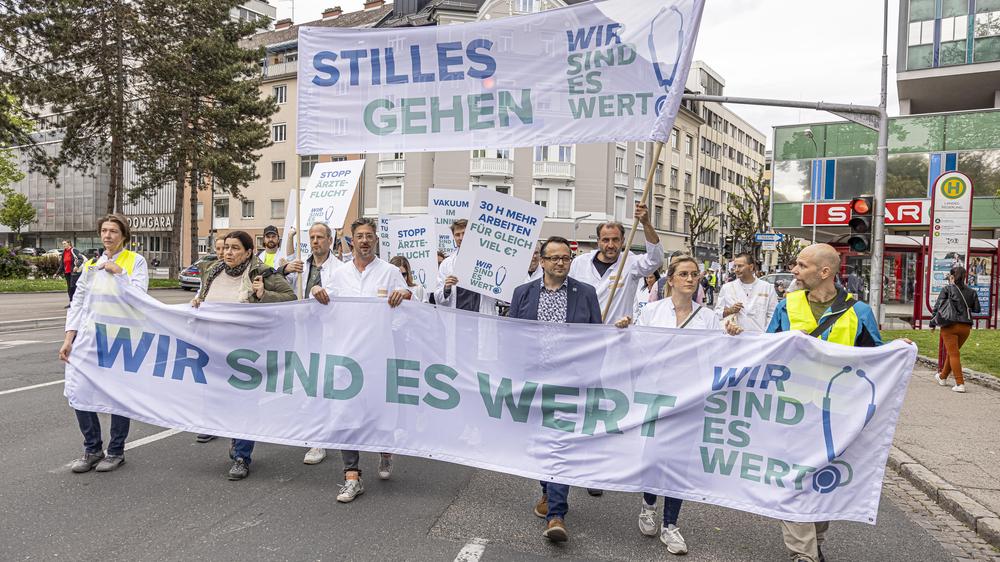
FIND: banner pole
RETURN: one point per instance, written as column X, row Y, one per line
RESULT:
column 657, row 148
column 299, row 286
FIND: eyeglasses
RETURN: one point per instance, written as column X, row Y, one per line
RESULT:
column 687, row 274
column 364, row 237
column 558, row 259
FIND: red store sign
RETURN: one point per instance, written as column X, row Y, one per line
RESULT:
column 915, row 212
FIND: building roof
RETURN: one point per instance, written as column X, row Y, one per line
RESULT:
column 360, row 18
column 425, row 15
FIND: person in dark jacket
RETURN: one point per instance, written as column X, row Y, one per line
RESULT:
column 72, row 261
column 954, row 332
column 556, row 297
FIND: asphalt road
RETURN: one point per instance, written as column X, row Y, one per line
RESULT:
column 171, row 501
column 18, row 306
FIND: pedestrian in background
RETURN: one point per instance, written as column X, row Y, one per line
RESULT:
column 72, row 261
column 115, row 260
column 418, row 291
column 953, row 313
column 642, row 296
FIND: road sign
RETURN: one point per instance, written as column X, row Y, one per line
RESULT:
column 768, row 237
column 769, row 246
column 574, row 245
column 951, row 219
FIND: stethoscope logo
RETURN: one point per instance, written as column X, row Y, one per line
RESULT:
column 422, row 277
column 500, row 275
column 329, row 213
column 838, row 473
column 666, row 22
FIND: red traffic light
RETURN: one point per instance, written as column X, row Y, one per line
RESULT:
column 861, row 205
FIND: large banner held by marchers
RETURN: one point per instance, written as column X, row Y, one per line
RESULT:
column 607, row 70
column 784, row 425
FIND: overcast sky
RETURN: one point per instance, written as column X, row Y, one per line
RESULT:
column 788, row 49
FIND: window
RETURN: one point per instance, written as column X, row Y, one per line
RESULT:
column 564, row 209
column 505, row 189
column 222, row 208
column 619, row 159
column 659, row 215
column 526, row 6
column 200, row 210
column 280, row 93
column 278, row 170
column 479, row 153
column 277, row 208
column 247, row 209
column 673, row 220
column 476, row 186
column 279, row 133
column 565, row 153
column 673, row 178
column 541, row 153
column 390, row 199
column 542, row 197
column 619, row 204
column 675, row 140
column 687, row 182
column 306, row 165
column 658, row 175
column 639, row 161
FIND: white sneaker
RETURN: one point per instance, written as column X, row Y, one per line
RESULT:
column 958, row 388
column 648, row 524
column 385, row 466
column 671, row 536
column 314, row 456
column 940, row 381
column 350, row 490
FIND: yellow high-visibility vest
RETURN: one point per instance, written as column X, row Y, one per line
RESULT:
column 800, row 317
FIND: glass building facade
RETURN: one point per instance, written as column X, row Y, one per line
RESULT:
column 951, row 32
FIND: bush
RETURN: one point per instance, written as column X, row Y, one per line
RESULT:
column 12, row 266
column 47, row 266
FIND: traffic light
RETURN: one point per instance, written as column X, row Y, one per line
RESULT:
column 727, row 247
column 862, row 214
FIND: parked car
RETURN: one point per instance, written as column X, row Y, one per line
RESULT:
column 190, row 278
column 27, row 252
column 54, row 252
column 784, row 277
column 92, row 253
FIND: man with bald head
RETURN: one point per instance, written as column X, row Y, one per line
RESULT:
column 826, row 311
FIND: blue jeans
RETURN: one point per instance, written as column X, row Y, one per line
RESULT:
column 558, row 495
column 242, row 450
column 671, row 507
column 90, row 427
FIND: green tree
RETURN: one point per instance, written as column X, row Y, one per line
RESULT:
column 749, row 213
column 701, row 220
column 788, row 250
column 207, row 119
column 16, row 212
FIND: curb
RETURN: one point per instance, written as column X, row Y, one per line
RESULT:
column 15, row 325
column 982, row 379
column 976, row 516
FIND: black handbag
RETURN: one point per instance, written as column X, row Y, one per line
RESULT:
column 947, row 311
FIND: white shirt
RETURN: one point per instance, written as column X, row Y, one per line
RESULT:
column 379, row 279
column 327, row 269
column 661, row 314
column 641, row 300
column 487, row 305
column 139, row 279
column 758, row 298
column 539, row 272
column 636, row 268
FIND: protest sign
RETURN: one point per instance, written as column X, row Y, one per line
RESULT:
column 782, row 425
column 327, row 196
column 447, row 206
column 383, row 236
column 604, row 71
column 498, row 244
column 415, row 239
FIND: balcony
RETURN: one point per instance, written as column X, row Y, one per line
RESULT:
column 491, row 167
column 638, row 184
column 621, row 179
column 675, row 194
column 280, row 69
column 391, row 168
column 555, row 170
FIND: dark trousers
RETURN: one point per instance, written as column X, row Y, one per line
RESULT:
column 671, row 507
column 351, row 461
column 242, row 449
column 558, row 499
column 90, row 427
column 71, row 279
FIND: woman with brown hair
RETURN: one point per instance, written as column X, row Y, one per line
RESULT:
column 419, row 294
column 953, row 313
column 240, row 277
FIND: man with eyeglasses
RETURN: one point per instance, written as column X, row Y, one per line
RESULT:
column 599, row 268
column 366, row 275
column 747, row 302
column 556, row 297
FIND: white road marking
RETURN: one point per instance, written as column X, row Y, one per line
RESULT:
column 472, row 551
column 13, row 390
column 151, row 439
column 14, row 343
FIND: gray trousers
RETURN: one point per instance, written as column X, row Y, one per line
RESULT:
column 351, row 460
column 804, row 539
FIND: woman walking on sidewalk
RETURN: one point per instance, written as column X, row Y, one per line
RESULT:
column 953, row 312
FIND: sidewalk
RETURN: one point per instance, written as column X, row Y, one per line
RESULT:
column 950, row 445
column 39, row 310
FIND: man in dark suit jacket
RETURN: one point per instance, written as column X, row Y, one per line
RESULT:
column 556, row 298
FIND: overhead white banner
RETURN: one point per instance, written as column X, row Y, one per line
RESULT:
column 416, row 240
column 447, row 206
column 498, row 244
column 608, row 70
column 783, row 425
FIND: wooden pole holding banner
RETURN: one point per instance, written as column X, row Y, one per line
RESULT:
column 657, row 148
column 299, row 286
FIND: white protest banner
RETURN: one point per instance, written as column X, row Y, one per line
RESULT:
column 415, row 239
column 328, row 194
column 610, row 70
column 498, row 244
column 782, row 425
column 383, row 237
column 447, row 206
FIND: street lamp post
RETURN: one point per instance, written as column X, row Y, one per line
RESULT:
column 810, row 136
column 576, row 224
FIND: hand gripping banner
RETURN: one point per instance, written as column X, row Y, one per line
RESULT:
column 782, row 425
column 607, row 70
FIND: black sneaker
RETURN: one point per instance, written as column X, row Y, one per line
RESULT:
column 204, row 438
column 87, row 462
column 239, row 470
column 111, row 462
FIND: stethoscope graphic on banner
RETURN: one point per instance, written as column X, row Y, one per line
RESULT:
column 832, row 476
column 500, row 275
column 666, row 23
column 422, row 277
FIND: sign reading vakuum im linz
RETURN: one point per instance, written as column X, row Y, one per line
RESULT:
column 610, row 70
